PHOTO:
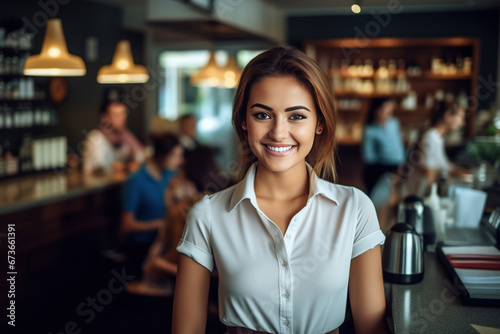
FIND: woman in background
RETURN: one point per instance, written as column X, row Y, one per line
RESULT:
column 428, row 161
column 382, row 146
column 143, row 204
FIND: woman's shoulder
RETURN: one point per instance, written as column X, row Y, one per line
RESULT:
column 215, row 201
column 341, row 192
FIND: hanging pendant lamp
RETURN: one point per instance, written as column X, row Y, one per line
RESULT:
column 232, row 73
column 122, row 69
column 54, row 59
column 210, row 75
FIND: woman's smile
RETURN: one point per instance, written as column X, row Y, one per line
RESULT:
column 278, row 150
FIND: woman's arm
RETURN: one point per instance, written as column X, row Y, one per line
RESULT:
column 129, row 224
column 191, row 297
column 366, row 293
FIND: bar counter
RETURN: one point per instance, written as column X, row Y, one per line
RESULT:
column 434, row 305
column 36, row 190
column 63, row 223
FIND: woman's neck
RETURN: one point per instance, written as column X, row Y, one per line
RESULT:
column 282, row 186
column 441, row 128
column 153, row 169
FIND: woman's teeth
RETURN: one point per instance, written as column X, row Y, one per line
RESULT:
column 279, row 149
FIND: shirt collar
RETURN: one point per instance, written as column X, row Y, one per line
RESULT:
column 245, row 188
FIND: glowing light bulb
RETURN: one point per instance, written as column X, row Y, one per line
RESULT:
column 355, row 8
column 54, row 52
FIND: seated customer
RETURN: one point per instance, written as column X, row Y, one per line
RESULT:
column 143, row 204
column 111, row 147
column 428, row 161
column 200, row 176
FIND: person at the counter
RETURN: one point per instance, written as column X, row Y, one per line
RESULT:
column 288, row 245
column 428, row 161
column 111, row 146
column 382, row 147
column 143, row 200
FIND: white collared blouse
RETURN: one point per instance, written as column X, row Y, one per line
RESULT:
column 296, row 283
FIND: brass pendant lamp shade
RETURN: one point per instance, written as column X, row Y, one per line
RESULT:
column 122, row 69
column 232, row 73
column 210, row 75
column 54, row 59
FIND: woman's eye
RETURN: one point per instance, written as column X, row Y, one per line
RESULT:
column 297, row 117
column 261, row 115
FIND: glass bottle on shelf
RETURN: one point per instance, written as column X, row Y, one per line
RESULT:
column 8, row 116
column 392, row 67
column 462, row 99
column 467, row 65
column 368, row 68
column 401, row 67
column 2, row 118
column 459, row 62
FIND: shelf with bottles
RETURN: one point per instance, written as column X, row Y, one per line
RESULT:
column 26, row 116
column 33, row 155
column 406, row 69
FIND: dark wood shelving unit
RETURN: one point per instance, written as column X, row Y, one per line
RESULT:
column 416, row 52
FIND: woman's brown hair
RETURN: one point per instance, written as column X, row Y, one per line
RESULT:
column 290, row 62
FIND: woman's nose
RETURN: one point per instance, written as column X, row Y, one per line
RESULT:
column 279, row 130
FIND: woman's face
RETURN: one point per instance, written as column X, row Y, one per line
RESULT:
column 174, row 159
column 455, row 121
column 281, row 123
column 385, row 112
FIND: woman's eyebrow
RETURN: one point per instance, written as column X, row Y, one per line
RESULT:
column 263, row 106
column 296, row 108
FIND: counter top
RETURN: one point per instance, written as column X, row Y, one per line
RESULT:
column 434, row 305
column 40, row 189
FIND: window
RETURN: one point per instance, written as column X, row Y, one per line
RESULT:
column 212, row 105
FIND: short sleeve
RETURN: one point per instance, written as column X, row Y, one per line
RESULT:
column 195, row 241
column 435, row 155
column 131, row 196
column 368, row 233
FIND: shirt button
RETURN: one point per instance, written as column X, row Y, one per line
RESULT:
column 285, row 322
column 288, row 236
column 284, row 263
column 285, row 295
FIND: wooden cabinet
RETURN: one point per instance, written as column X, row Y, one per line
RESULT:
column 413, row 71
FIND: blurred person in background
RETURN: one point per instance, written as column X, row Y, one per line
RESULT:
column 187, row 132
column 200, row 176
column 111, row 147
column 144, row 208
column 428, row 161
column 382, row 146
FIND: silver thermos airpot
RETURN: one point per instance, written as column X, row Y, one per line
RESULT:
column 403, row 255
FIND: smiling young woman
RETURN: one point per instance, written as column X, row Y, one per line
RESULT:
column 287, row 243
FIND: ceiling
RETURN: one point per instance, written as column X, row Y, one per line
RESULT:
column 317, row 7
column 298, row 7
